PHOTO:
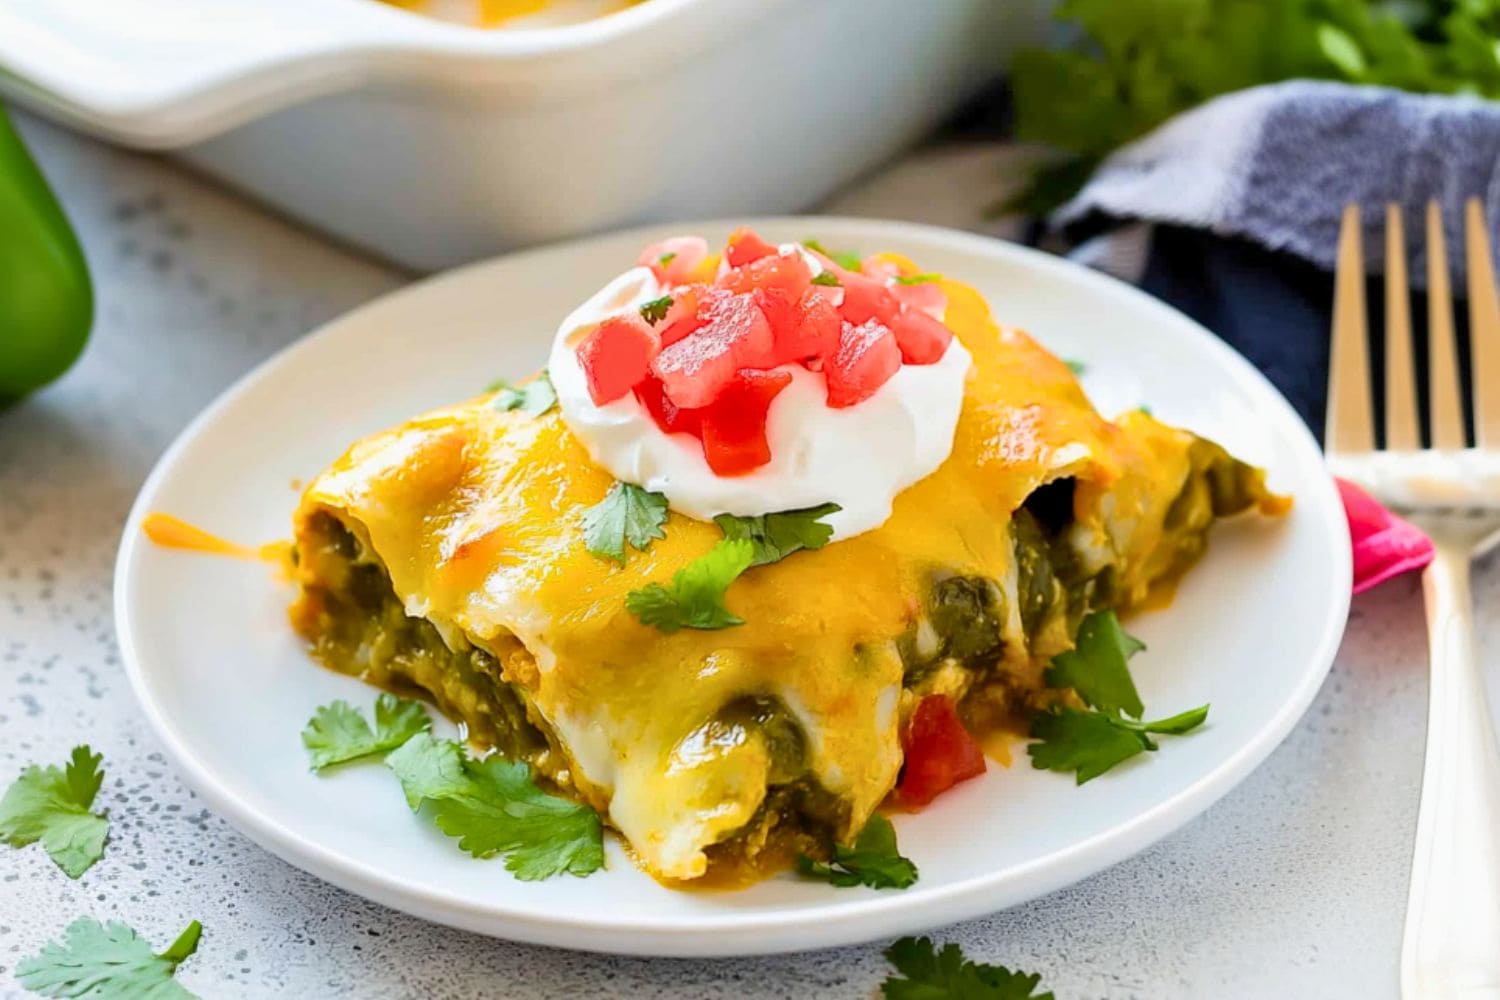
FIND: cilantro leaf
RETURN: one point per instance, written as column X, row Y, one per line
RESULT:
column 1075, row 366
column 695, row 597
column 108, row 960
column 930, row 974
column 872, row 861
column 428, row 768
column 918, row 279
column 504, row 812
column 628, row 513
column 494, row 807
column 776, row 536
column 338, row 733
column 827, row 278
column 1088, row 743
column 667, row 258
column 533, row 398
column 848, row 261
column 655, row 311
column 1097, row 666
column 52, row 805
column 1176, row 725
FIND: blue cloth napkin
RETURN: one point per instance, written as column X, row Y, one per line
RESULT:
column 1276, row 165
column 1241, row 200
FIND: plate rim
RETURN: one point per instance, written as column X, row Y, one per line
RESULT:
column 837, row 923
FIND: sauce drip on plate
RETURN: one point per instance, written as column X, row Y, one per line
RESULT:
column 174, row 533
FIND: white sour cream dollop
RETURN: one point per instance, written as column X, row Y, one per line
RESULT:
column 859, row 457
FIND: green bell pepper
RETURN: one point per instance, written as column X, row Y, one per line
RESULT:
column 46, row 299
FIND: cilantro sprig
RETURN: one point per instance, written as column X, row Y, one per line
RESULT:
column 1090, row 743
column 1098, row 666
column 1110, row 731
column 495, row 808
column 54, row 805
column 872, row 860
column 628, row 514
column 108, row 960
column 695, row 597
column 927, row 973
column 337, row 732
column 533, row 398
column 777, row 535
column 492, row 806
column 828, row 279
column 918, row 279
column 655, row 311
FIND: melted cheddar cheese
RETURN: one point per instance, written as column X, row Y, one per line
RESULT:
column 475, row 514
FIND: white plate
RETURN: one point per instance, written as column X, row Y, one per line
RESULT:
column 227, row 685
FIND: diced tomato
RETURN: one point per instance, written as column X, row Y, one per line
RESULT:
column 799, row 330
column 829, row 264
column 617, row 355
column 696, row 369
column 832, row 294
column 787, row 272
column 784, row 316
column 734, row 427
column 818, row 335
column 867, row 356
column 674, row 260
column 738, row 318
column 922, row 339
column 939, row 752
column 881, row 268
column 746, row 245
column 924, row 296
column 866, row 299
column 670, row 417
column 682, row 315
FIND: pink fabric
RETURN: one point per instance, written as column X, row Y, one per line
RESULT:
column 1384, row 544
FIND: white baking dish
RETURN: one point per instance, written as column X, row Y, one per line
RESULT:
column 433, row 143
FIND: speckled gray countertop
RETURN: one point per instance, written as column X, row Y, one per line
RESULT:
column 1292, row 886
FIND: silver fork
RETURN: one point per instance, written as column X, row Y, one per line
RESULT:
column 1451, row 945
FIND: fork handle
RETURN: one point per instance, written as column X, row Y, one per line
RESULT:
column 1451, row 946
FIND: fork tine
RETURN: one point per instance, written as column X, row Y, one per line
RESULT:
column 1349, row 427
column 1400, row 382
column 1444, row 399
column 1484, row 328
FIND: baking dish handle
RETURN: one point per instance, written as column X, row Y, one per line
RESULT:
column 160, row 74
column 165, row 73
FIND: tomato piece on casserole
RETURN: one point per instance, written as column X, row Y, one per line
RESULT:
column 939, row 752
column 745, row 245
column 866, row 358
column 617, row 355
column 735, row 335
column 734, row 428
